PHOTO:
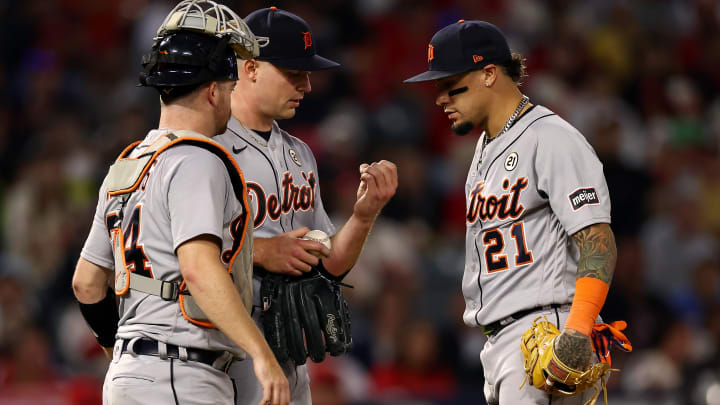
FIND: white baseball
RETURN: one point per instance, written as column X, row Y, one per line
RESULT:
column 318, row 236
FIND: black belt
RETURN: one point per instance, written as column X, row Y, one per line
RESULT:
column 148, row 347
column 497, row 326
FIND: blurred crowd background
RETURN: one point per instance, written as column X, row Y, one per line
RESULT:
column 639, row 79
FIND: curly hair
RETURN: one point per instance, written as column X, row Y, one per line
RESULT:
column 515, row 68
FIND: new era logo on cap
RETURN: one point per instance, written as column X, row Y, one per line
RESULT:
column 462, row 47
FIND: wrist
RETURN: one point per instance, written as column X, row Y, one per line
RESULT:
column 365, row 221
column 258, row 251
column 265, row 355
column 590, row 294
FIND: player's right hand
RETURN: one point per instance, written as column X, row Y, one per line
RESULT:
column 287, row 253
column 276, row 389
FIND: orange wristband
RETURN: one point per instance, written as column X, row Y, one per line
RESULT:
column 590, row 294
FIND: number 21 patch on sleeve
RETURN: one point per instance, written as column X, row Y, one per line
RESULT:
column 583, row 196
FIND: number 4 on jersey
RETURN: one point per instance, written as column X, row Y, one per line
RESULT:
column 494, row 243
column 134, row 254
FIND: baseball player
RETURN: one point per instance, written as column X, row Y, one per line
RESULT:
column 538, row 239
column 172, row 220
column 282, row 175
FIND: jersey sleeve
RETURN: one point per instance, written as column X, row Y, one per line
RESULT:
column 198, row 190
column 98, row 247
column 321, row 220
column 571, row 176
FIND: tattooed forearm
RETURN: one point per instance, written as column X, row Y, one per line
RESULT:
column 598, row 252
column 574, row 349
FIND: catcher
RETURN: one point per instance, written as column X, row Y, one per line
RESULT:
column 538, row 242
column 173, row 222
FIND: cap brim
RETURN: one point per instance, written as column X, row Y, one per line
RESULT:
column 309, row 63
column 433, row 75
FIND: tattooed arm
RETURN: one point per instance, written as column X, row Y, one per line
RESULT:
column 598, row 255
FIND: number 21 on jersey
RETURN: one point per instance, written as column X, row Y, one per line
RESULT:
column 495, row 257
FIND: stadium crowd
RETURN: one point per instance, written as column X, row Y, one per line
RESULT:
column 640, row 79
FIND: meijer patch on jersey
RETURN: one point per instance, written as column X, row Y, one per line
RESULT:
column 582, row 197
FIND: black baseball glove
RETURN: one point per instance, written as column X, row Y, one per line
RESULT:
column 304, row 317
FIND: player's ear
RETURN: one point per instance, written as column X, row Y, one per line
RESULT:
column 213, row 93
column 249, row 68
column 490, row 72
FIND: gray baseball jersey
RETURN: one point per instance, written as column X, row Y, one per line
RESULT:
column 282, row 180
column 527, row 192
column 186, row 193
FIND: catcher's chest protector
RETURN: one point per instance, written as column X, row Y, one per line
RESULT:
column 125, row 177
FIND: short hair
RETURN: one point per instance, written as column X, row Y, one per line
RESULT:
column 169, row 95
column 515, row 68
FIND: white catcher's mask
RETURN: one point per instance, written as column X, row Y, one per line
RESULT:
column 214, row 19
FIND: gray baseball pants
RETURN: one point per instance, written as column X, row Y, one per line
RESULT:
column 140, row 379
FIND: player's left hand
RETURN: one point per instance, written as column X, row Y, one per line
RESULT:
column 378, row 183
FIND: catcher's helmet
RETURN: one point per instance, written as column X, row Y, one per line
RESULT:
column 186, row 58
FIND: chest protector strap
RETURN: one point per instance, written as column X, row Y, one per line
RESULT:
column 125, row 177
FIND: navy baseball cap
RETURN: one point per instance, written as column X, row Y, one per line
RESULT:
column 291, row 43
column 462, row 47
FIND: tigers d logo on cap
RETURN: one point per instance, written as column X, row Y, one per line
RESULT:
column 291, row 44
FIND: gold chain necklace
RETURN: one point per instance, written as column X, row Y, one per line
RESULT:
column 254, row 138
column 485, row 140
column 523, row 102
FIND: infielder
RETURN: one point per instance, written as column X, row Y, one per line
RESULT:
column 538, row 211
column 172, row 220
column 282, row 174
